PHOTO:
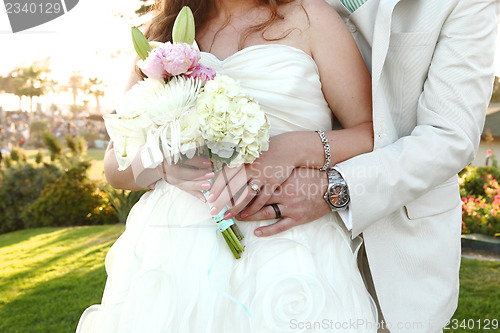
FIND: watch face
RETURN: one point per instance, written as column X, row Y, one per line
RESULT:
column 338, row 196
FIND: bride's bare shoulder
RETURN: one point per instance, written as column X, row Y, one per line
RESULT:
column 300, row 21
column 320, row 10
column 317, row 22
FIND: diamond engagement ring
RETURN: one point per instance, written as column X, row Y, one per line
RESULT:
column 254, row 187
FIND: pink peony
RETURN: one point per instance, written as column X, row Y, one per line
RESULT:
column 169, row 60
column 202, row 72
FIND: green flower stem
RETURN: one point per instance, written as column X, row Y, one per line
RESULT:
column 232, row 235
column 231, row 247
column 237, row 231
column 232, row 240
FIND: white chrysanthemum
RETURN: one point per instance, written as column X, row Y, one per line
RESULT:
column 231, row 120
column 173, row 112
column 157, row 115
column 140, row 95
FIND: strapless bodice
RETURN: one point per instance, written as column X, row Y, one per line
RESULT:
column 284, row 80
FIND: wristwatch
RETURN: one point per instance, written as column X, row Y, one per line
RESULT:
column 337, row 194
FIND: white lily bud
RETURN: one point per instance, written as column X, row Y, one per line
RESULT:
column 184, row 28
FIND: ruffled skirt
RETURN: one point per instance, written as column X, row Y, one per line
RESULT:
column 171, row 271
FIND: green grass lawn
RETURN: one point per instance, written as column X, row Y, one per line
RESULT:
column 48, row 276
column 479, row 296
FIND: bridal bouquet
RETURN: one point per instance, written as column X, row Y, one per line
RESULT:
column 184, row 108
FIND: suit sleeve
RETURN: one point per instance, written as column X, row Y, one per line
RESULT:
column 450, row 118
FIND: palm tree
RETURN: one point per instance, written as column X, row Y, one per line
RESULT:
column 95, row 87
column 75, row 85
column 30, row 82
column 5, row 87
column 6, row 84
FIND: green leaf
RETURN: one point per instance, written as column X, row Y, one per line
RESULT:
column 141, row 43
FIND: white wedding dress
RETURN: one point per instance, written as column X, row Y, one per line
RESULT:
column 306, row 279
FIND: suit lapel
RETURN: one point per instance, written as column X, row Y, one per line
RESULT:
column 381, row 38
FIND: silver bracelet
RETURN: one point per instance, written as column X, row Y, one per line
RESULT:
column 326, row 146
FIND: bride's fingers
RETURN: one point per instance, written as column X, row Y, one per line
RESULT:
column 188, row 185
column 275, row 228
column 198, row 162
column 187, row 173
column 259, row 203
column 224, row 178
column 250, row 198
column 236, row 191
column 198, row 195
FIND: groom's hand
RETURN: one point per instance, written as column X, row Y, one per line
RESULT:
column 299, row 199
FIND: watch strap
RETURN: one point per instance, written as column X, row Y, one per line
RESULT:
column 326, row 147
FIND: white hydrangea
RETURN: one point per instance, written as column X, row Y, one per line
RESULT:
column 231, row 120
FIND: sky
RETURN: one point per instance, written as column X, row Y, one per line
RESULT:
column 93, row 37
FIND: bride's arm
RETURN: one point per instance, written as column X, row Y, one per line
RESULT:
column 346, row 86
column 187, row 179
column 120, row 179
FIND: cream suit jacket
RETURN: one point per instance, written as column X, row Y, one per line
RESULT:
column 432, row 75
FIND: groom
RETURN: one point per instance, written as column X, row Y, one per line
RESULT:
column 432, row 74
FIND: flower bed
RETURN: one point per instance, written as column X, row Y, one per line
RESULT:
column 480, row 194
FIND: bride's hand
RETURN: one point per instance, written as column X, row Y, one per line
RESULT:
column 192, row 176
column 253, row 184
column 299, row 200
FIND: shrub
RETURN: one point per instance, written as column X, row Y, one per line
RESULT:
column 480, row 194
column 122, row 201
column 18, row 155
column 20, row 186
column 76, row 145
column 71, row 200
column 474, row 180
column 39, row 157
column 7, row 161
column 58, row 193
column 53, row 145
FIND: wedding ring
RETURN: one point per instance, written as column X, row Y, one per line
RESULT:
column 276, row 210
column 254, row 187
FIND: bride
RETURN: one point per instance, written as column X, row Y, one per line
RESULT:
column 170, row 271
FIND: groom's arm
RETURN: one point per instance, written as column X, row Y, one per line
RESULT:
column 450, row 118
